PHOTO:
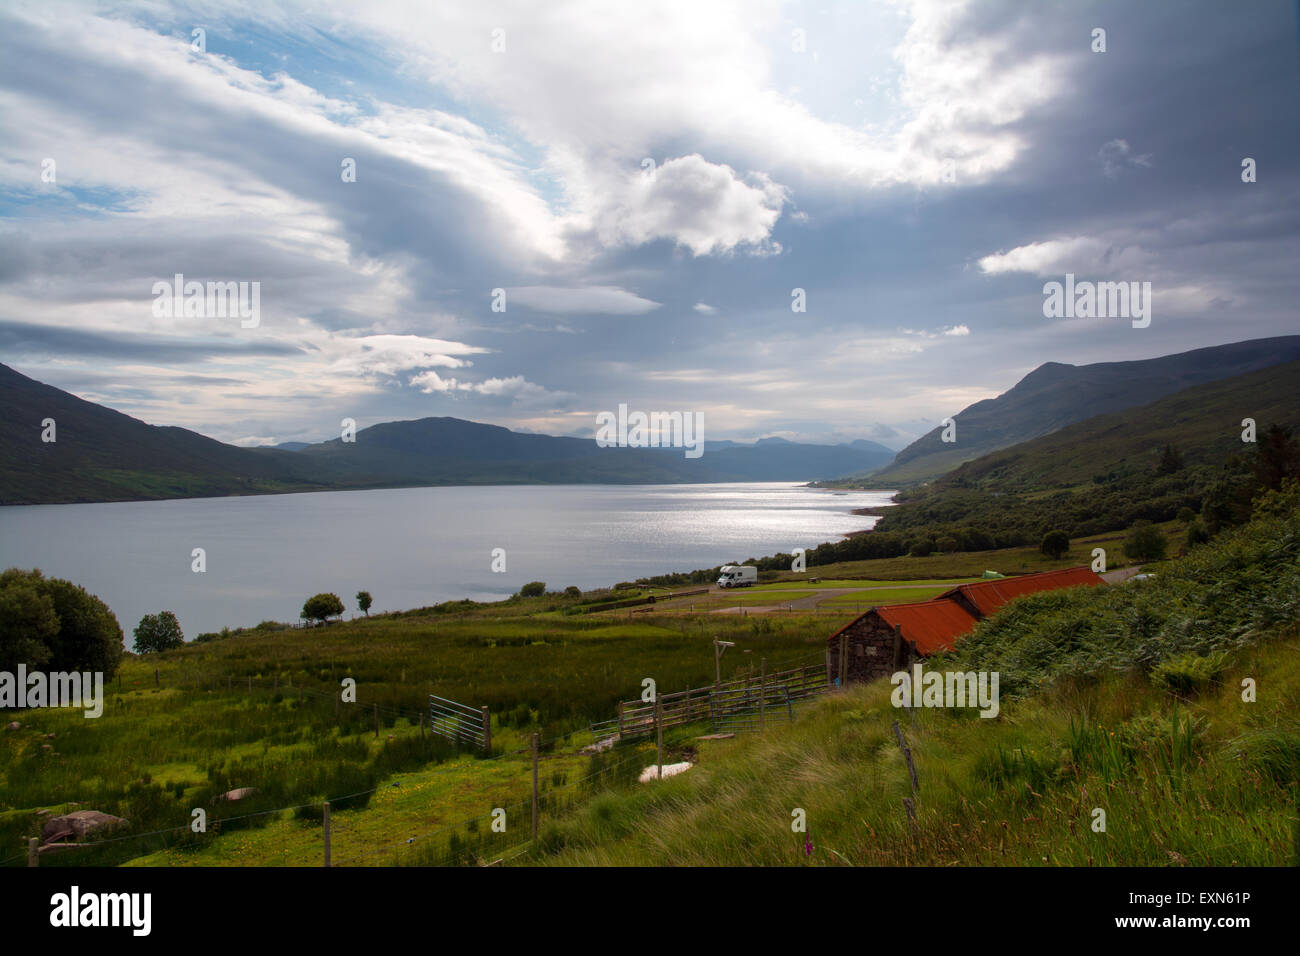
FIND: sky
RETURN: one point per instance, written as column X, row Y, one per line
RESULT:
column 558, row 207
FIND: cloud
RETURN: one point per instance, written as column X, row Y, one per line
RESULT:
column 1116, row 157
column 704, row 309
column 697, row 204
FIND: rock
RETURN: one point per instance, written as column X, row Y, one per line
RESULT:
column 49, row 736
column 79, row 825
column 13, row 725
column 239, row 793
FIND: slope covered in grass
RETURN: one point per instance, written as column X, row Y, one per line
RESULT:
column 1127, row 700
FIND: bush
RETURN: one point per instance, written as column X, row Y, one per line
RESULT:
column 1055, row 544
column 322, row 607
column 1144, row 542
column 573, row 591
column 1186, row 515
column 1187, row 674
column 533, row 589
column 1197, row 533
column 158, row 632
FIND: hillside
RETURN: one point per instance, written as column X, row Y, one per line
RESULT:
column 103, row 455
column 1103, row 472
column 1056, row 395
column 1110, row 701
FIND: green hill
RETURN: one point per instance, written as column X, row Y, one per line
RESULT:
column 1105, row 472
column 1056, row 395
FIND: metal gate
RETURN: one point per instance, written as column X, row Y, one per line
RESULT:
column 463, row 725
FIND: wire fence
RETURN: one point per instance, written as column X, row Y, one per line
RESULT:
column 331, row 832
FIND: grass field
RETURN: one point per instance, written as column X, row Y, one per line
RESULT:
column 258, row 709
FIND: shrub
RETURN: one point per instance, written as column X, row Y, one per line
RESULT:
column 1055, row 544
column 1197, row 533
column 1144, row 542
column 533, row 589
column 1188, row 673
column 1186, row 515
column 573, row 591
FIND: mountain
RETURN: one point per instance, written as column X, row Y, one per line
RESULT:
column 1055, row 395
column 1202, row 423
column 102, row 455
column 450, row 450
column 1105, row 472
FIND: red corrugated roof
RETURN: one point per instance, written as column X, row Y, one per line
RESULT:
column 930, row 625
column 988, row 596
column 936, row 625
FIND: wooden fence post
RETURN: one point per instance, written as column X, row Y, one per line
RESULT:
column 33, row 852
column 829, row 675
column 535, row 786
column 376, row 706
column 155, row 677
column 487, row 731
column 620, row 718
column 659, row 734
column 762, row 693
column 907, row 755
column 326, row 821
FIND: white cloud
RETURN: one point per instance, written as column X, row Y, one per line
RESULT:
column 704, row 308
column 697, row 204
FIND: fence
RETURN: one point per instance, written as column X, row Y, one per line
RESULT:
column 460, row 723
column 636, row 718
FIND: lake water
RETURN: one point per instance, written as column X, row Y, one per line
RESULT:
column 408, row 547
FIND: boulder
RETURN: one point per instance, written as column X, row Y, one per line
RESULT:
column 78, row 825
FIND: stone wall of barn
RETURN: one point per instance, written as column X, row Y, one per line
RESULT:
column 874, row 650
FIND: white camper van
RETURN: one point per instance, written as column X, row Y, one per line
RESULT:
column 737, row 576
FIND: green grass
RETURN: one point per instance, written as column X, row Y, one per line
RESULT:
column 1210, row 782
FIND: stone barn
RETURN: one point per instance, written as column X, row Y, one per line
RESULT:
column 888, row 638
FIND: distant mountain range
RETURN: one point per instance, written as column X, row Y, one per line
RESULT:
column 103, row 455
column 1056, row 395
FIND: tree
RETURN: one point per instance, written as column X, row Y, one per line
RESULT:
column 1055, row 544
column 1277, row 456
column 1196, row 533
column 364, row 600
column 1170, row 461
column 1144, row 542
column 1186, row 515
column 322, row 607
column 158, row 632
column 572, row 591
column 533, row 589
column 54, row 624
column 947, row 544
